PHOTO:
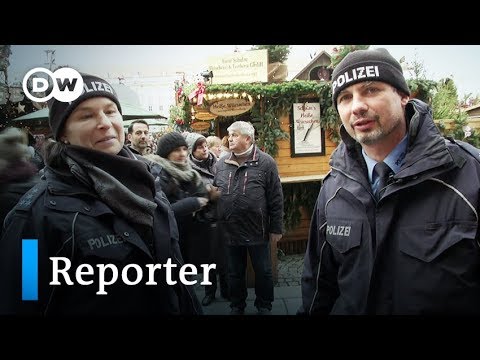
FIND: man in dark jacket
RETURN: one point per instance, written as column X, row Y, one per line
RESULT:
column 251, row 214
column 395, row 226
column 138, row 133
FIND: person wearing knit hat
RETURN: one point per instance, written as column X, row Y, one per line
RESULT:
column 210, row 243
column 169, row 142
column 192, row 139
column 368, row 65
column 93, row 86
column 97, row 203
column 385, row 233
column 184, row 189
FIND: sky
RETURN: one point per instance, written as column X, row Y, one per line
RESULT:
column 459, row 62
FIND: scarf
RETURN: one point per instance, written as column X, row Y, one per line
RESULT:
column 182, row 172
column 122, row 182
column 207, row 165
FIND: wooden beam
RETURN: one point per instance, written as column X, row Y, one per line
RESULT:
column 300, row 179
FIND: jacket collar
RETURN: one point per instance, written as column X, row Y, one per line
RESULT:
column 252, row 158
column 426, row 147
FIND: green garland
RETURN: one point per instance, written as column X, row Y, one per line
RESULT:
column 272, row 101
column 296, row 196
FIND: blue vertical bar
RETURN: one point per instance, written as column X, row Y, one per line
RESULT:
column 29, row 269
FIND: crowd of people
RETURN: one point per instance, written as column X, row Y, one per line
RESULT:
column 394, row 229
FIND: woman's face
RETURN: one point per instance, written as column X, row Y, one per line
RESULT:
column 95, row 124
column 178, row 154
column 201, row 152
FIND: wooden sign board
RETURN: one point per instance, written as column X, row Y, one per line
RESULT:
column 231, row 107
column 204, row 116
column 200, row 125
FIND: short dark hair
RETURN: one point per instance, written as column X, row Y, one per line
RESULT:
column 130, row 127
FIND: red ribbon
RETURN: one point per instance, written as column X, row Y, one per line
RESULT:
column 199, row 92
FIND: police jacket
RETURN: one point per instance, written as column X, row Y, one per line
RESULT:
column 251, row 201
column 416, row 250
column 69, row 221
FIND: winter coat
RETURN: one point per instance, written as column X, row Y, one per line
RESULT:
column 68, row 220
column 416, row 250
column 183, row 197
column 19, row 183
column 251, row 203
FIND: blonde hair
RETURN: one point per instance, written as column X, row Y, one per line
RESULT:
column 213, row 141
column 225, row 141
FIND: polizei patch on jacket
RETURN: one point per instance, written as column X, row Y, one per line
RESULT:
column 361, row 72
column 104, row 241
column 343, row 235
column 339, row 230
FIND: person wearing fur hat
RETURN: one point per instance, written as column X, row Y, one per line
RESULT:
column 98, row 205
column 395, row 225
column 183, row 188
column 17, row 172
column 204, row 162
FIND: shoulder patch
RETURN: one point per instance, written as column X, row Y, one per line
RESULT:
column 472, row 150
column 30, row 196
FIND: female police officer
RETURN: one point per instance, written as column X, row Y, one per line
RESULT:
column 99, row 207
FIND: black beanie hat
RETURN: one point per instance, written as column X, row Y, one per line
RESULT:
column 367, row 65
column 93, row 86
column 169, row 142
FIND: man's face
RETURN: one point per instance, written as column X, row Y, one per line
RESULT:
column 238, row 143
column 373, row 112
column 96, row 124
column 139, row 137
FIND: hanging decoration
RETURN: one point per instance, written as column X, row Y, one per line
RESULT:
column 20, row 108
column 198, row 93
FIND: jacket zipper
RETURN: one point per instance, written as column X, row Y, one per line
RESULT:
column 318, row 272
column 229, row 179
column 245, row 181
column 263, row 228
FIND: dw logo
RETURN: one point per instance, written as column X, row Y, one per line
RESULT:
column 67, row 84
